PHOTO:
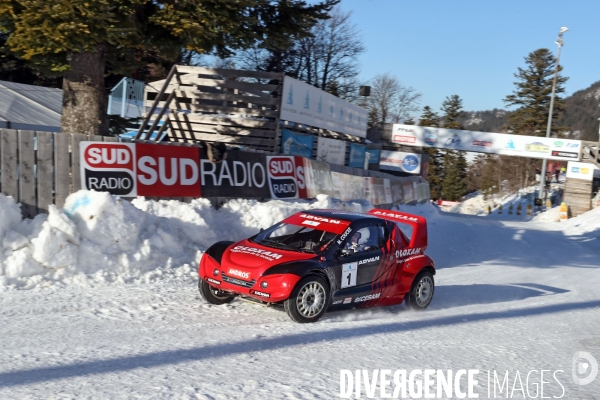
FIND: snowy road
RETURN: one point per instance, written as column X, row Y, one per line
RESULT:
column 510, row 296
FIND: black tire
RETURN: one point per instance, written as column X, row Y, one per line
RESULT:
column 212, row 295
column 421, row 292
column 309, row 300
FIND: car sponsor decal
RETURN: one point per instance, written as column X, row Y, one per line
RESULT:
column 344, row 235
column 213, row 281
column 368, row 260
column 326, row 224
column 394, row 215
column 261, row 294
column 408, row 252
column 266, row 254
column 238, row 273
column 311, row 223
column 337, row 302
column 360, row 299
column 348, row 300
column 321, row 219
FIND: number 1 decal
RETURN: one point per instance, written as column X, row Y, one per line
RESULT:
column 349, row 272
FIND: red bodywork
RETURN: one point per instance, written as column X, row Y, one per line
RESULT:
column 401, row 261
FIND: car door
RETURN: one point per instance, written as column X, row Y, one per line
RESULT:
column 354, row 269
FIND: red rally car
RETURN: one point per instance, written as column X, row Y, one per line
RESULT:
column 325, row 260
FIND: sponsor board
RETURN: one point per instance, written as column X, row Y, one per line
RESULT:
column 565, row 154
column 167, row 171
column 282, row 177
column 331, row 150
column 578, row 170
column 356, row 156
column 487, row 142
column 261, row 294
column 136, row 169
column 213, row 281
column 108, row 167
column 240, row 174
column 400, row 161
column 305, row 104
column 296, row 144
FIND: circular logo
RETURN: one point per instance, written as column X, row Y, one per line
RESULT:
column 410, row 163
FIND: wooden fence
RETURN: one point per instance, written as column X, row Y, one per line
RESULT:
column 40, row 168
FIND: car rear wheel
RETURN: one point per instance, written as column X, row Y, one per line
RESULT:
column 421, row 292
column 309, row 299
column 212, row 295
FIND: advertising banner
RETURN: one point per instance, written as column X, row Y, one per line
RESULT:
column 331, row 150
column 356, row 157
column 130, row 170
column 108, row 167
column 296, row 144
column 318, row 178
column 578, row 170
column 282, row 177
column 400, row 161
column 373, row 156
column 487, row 142
column 240, row 174
column 348, row 187
column 305, row 104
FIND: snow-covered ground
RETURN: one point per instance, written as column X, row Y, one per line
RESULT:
column 115, row 312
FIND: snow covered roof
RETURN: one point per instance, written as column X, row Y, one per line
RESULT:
column 30, row 107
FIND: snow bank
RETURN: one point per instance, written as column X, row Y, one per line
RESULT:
column 100, row 238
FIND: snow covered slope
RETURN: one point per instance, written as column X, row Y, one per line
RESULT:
column 511, row 296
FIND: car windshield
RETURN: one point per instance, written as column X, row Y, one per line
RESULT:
column 295, row 238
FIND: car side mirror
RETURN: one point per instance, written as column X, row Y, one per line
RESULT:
column 261, row 230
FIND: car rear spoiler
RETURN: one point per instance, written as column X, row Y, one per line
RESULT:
column 418, row 224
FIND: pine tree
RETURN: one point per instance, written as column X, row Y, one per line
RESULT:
column 532, row 96
column 454, row 184
column 436, row 165
column 532, row 93
column 83, row 40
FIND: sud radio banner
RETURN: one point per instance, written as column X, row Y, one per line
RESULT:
column 135, row 169
column 139, row 169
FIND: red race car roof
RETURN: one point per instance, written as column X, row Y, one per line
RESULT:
column 327, row 224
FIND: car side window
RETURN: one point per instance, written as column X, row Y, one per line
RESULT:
column 366, row 239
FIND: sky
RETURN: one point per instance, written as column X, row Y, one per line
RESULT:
column 473, row 48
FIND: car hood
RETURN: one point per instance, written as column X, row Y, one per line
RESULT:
column 248, row 261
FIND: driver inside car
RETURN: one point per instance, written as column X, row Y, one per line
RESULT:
column 358, row 240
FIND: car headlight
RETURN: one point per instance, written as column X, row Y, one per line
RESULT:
column 216, row 272
column 264, row 284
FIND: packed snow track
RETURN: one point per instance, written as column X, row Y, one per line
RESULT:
column 510, row 296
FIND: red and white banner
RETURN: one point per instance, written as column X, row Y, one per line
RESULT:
column 137, row 169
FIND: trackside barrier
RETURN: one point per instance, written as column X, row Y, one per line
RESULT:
column 166, row 171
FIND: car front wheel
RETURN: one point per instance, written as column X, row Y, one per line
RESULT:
column 421, row 292
column 309, row 299
column 212, row 295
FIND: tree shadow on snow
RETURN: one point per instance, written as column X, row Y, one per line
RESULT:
column 208, row 352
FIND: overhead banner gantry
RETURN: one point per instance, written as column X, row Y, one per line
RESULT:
column 487, row 142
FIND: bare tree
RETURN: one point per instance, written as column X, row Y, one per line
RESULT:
column 390, row 100
column 328, row 59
